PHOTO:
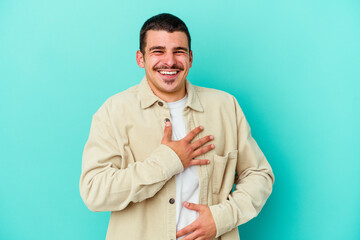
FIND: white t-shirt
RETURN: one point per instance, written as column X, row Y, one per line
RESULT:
column 187, row 182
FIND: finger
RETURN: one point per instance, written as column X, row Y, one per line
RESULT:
column 202, row 141
column 167, row 132
column 198, row 162
column 192, row 236
column 192, row 206
column 203, row 150
column 190, row 136
column 186, row 230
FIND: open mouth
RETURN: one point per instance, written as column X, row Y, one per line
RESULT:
column 168, row 73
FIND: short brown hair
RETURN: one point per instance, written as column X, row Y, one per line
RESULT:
column 166, row 22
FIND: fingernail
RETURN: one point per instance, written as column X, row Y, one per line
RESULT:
column 201, row 127
column 212, row 145
column 208, row 161
column 211, row 137
column 187, row 204
column 167, row 124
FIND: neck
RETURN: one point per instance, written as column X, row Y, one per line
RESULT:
column 169, row 96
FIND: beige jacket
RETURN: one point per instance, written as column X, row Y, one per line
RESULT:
column 127, row 171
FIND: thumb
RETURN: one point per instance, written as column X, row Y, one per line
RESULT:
column 167, row 132
column 192, row 206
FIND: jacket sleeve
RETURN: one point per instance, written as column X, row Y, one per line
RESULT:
column 253, row 182
column 106, row 184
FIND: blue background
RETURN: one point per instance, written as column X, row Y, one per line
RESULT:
column 294, row 66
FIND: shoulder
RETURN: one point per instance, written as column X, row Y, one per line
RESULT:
column 214, row 95
column 218, row 100
column 121, row 100
column 129, row 95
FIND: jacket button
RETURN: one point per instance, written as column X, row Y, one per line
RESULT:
column 171, row 201
column 166, row 120
column 160, row 104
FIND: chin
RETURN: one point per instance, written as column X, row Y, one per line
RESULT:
column 170, row 90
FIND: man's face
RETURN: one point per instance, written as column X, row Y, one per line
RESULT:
column 167, row 61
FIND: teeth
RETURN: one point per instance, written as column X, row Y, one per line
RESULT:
column 168, row 73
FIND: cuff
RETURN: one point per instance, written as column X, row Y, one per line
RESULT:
column 223, row 218
column 169, row 160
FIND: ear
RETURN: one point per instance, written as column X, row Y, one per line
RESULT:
column 140, row 59
column 191, row 58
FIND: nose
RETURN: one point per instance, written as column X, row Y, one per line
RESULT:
column 169, row 59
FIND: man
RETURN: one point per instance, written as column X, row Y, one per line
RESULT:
column 163, row 156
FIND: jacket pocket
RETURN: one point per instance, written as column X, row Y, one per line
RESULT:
column 224, row 172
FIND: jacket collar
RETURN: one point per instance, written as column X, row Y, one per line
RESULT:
column 148, row 98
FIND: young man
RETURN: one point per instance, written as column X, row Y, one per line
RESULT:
column 164, row 155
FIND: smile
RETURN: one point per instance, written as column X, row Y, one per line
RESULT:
column 168, row 72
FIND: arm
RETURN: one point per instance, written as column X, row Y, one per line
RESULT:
column 253, row 183
column 105, row 186
column 253, row 186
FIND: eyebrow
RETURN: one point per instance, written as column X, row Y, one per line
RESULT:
column 163, row 48
column 156, row 47
column 182, row 48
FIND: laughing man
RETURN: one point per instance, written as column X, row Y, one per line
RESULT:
column 164, row 156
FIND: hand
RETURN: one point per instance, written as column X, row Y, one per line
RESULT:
column 185, row 149
column 203, row 228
